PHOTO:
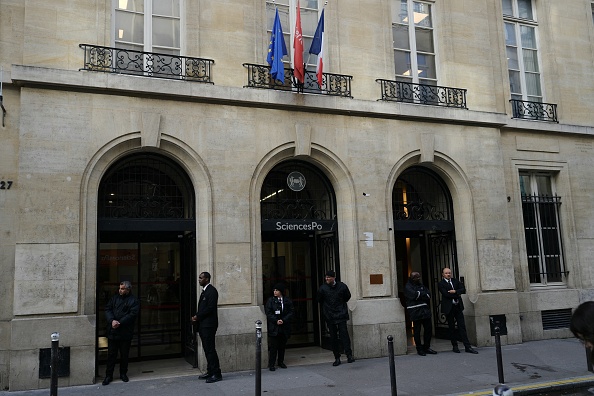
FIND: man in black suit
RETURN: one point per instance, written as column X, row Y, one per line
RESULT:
column 208, row 321
column 452, row 307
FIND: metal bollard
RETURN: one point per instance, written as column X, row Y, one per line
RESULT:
column 392, row 365
column 498, row 351
column 258, row 357
column 54, row 364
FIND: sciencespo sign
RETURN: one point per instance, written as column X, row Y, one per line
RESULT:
column 298, row 225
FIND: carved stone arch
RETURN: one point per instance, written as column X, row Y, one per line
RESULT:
column 97, row 166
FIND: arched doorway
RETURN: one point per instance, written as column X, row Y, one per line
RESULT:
column 299, row 242
column 424, row 233
column 146, row 234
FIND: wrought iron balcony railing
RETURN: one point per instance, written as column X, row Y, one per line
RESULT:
column 400, row 91
column 534, row 110
column 332, row 84
column 151, row 64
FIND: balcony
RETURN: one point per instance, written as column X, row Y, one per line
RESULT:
column 150, row 64
column 432, row 95
column 534, row 110
column 332, row 84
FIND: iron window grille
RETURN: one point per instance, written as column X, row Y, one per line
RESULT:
column 534, row 110
column 434, row 95
column 544, row 247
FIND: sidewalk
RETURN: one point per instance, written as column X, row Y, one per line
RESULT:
column 527, row 366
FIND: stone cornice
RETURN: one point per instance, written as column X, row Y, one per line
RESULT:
column 156, row 88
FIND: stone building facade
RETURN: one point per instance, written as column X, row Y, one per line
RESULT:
column 446, row 133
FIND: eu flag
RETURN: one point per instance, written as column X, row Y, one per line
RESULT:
column 276, row 50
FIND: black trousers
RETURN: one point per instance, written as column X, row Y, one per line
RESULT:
column 113, row 347
column 336, row 330
column 276, row 346
column 456, row 317
column 427, row 330
column 207, row 336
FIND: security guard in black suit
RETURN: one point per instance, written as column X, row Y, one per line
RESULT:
column 208, row 322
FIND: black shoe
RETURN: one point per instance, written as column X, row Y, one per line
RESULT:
column 470, row 350
column 430, row 351
column 124, row 377
column 336, row 362
column 282, row 365
column 421, row 352
column 350, row 359
column 205, row 376
column 214, row 378
column 455, row 349
column 107, row 380
column 271, row 368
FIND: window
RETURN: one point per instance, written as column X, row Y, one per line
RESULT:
column 521, row 50
column 148, row 25
column 412, row 33
column 540, row 209
column 287, row 11
column 592, row 6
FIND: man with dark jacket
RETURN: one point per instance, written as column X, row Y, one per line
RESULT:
column 452, row 307
column 279, row 313
column 121, row 312
column 417, row 304
column 333, row 297
column 208, row 322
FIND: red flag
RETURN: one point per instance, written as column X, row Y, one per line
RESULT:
column 298, row 46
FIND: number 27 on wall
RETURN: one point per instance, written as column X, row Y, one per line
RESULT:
column 5, row 185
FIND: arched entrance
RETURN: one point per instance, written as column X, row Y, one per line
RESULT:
column 146, row 234
column 424, row 233
column 299, row 242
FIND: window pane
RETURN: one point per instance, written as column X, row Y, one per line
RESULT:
column 525, row 185
column 309, row 22
column 543, row 184
column 530, row 60
column 402, row 63
column 129, row 27
column 529, row 215
column 283, row 14
column 166, row 32
column 528, row 36
column 525, row 9
column 400, row 11
column 131, row 5
column 553, row 267
column 400, row 36
column 422, row 14
column 514, row 82
column 309, row 4
column 424, row 40
column 534, row 270
column 507, row 7
column 510, row 34
column 533, row 84
column 512, row 58
column 166, row 7
column 426, row 64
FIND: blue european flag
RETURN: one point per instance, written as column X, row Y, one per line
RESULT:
column 276, row 50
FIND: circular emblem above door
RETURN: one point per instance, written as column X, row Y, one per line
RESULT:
column 296, row 181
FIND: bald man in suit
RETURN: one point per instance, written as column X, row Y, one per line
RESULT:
column 452, row 307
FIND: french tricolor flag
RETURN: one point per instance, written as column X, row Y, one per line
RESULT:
column 317, row 48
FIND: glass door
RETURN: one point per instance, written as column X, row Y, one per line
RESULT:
column 154, row 269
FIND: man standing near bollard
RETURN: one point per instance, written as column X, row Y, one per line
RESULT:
column 208, row 322
column 333, row 297
column 121, row 312
column 452, row 307
column 417, row 304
